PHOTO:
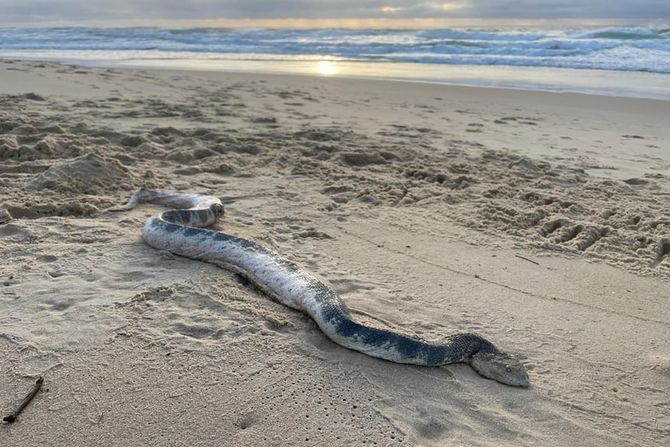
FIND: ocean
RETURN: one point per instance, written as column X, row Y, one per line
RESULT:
column 518, row 58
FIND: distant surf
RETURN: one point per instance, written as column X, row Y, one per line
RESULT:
column 618, row 61
column 640, row 49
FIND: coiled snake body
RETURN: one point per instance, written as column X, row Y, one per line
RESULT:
column 181, row 232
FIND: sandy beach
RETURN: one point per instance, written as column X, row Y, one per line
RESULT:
column 538, row 220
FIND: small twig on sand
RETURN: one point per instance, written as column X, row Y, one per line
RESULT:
column 526, row 259
column 24, row 403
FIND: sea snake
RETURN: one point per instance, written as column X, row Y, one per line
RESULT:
column 180, row 231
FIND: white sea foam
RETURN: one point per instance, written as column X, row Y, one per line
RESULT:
column 621, row 48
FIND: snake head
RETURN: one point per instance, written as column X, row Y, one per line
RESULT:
column 500, row 367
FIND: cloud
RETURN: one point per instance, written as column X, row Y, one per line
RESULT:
column 577, row 9
column 72, row 11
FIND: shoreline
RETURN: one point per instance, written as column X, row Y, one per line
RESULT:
column 624, row 84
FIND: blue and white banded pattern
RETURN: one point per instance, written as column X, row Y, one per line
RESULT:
column 180, row 231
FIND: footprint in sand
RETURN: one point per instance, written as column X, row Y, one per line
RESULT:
column 662, row 252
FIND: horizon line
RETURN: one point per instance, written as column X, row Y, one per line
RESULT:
column 336, row 23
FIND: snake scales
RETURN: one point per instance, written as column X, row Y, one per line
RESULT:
column 181, row 232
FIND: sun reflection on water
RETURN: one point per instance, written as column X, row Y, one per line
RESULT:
column 326, row 68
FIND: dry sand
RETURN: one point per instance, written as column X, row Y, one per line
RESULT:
column 538, row 220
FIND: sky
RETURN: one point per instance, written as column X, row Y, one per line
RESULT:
column 326, row 12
